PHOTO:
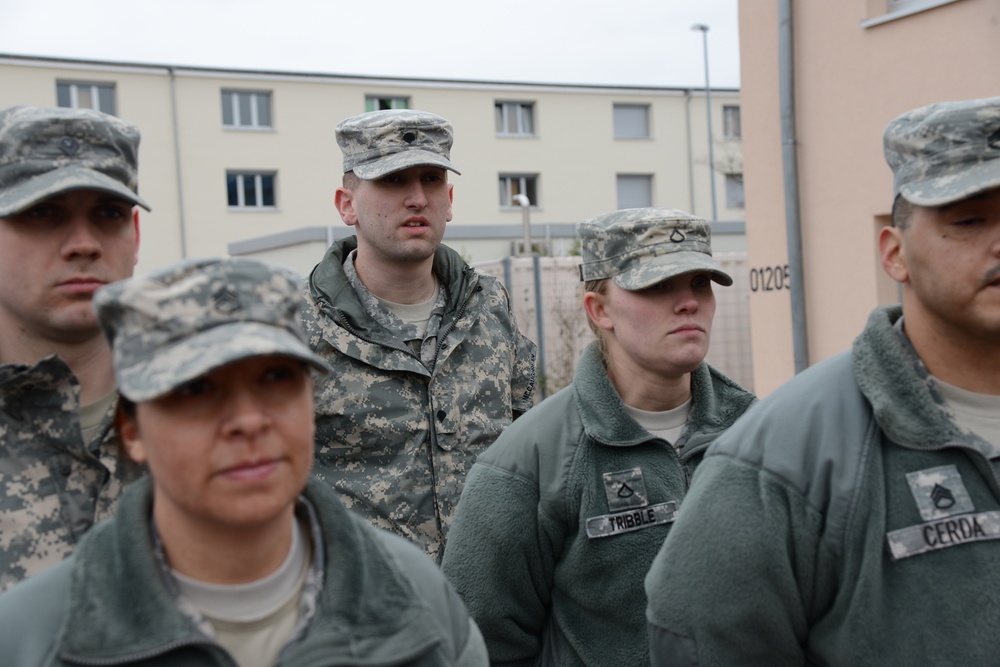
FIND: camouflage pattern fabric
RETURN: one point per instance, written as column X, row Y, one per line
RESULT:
column 639, row 247
column 45, row 151
column 53, row 486
column 945, row 152
column 394, row 437
column 187, row 319
column 382, row 142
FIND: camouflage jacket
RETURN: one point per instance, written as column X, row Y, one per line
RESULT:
column 395, row 437
column 845, row 520
column 369, row 598
column 53, row 486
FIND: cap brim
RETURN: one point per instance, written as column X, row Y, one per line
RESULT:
column 402, row 160
column 662, row 267
column 193, row 356
column 66, row 179
column 953, row 187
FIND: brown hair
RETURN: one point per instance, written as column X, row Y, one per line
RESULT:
column 598, row 286
column 901, row 212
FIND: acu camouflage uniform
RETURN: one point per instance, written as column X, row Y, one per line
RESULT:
column 53, row 485
column 397, row 432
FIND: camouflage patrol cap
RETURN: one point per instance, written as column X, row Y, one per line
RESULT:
column 45, row 151
column 382, row 142
column 639, row 247
column 945, row 152
column 173, row 325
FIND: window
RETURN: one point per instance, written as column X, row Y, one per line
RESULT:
column 380, row 103
column 250, row 189
column 518, row 184
column 731, row 122
column 515, row 118
column 631, row 121
column 734, row 191
column 246, row 109
column 86, row 95
column 635, row 190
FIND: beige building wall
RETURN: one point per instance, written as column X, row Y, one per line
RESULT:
column 186, row 152
column 858, row 64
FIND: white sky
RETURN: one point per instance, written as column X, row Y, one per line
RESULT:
column 623, row 42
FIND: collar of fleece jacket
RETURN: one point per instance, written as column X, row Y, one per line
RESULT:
column 716, row 403
column 896, row 383
column 328, row 284
column 366, row 609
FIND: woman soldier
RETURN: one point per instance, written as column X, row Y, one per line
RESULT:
column 226, row 554
column 562, row 516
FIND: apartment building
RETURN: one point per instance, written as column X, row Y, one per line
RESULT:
column 241, row 162
column 857, row 65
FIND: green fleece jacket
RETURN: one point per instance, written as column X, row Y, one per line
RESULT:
column 371, row 598
column 845, row 521
column 562, row 515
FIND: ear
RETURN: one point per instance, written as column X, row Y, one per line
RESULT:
column 128, row 431
column 451, row 200
column 597, row 311
column 893, row 254
column 344, row 199
column 135, row 222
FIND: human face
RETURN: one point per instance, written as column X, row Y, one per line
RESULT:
column 948, row 259
column 401, row 217
column 230, row 450
column 662, row 331
column 56, row 254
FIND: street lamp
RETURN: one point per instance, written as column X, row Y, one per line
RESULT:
column 525, row 204
column 708, row 105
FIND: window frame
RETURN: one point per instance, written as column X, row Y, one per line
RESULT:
column 732, row 178
column 525, row 118
column 73, row 87
column 648, row 179
column 729, row 112
column 259, row 190
column 254, row 125
column 527, row 185
column 616, row 125
column 374, row 102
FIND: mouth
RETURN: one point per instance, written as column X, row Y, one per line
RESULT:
column 81, row 285
column 688, row 328
column 251, row 471
column 415, row 222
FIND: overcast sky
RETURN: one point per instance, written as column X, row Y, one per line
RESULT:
column 624, row 42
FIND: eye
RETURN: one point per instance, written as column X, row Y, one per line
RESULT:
column 285, row 371
column 199, row 386
column 43, row 210
column 701, row 281
column 115, row 211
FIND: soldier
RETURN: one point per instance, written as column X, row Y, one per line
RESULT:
column 67, row 226
column 227, row 552
column 851, row 518
column 563, row 514
column 429, row 364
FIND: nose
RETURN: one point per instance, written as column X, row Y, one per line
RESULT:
column 81, row 240
column 416, row 198
column 687, row 300
column 244, row 412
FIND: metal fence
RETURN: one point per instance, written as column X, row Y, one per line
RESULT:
column 547, row 296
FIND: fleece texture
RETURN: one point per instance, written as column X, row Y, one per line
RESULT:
column 382, row 602
column 541, row 591
column 780, row 553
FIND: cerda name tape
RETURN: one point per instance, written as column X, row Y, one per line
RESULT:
column 625, row 522
column 944, row 533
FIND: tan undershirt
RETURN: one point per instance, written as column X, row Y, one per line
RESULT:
column 92, row 415
column 978, row 413
column 666, row 424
